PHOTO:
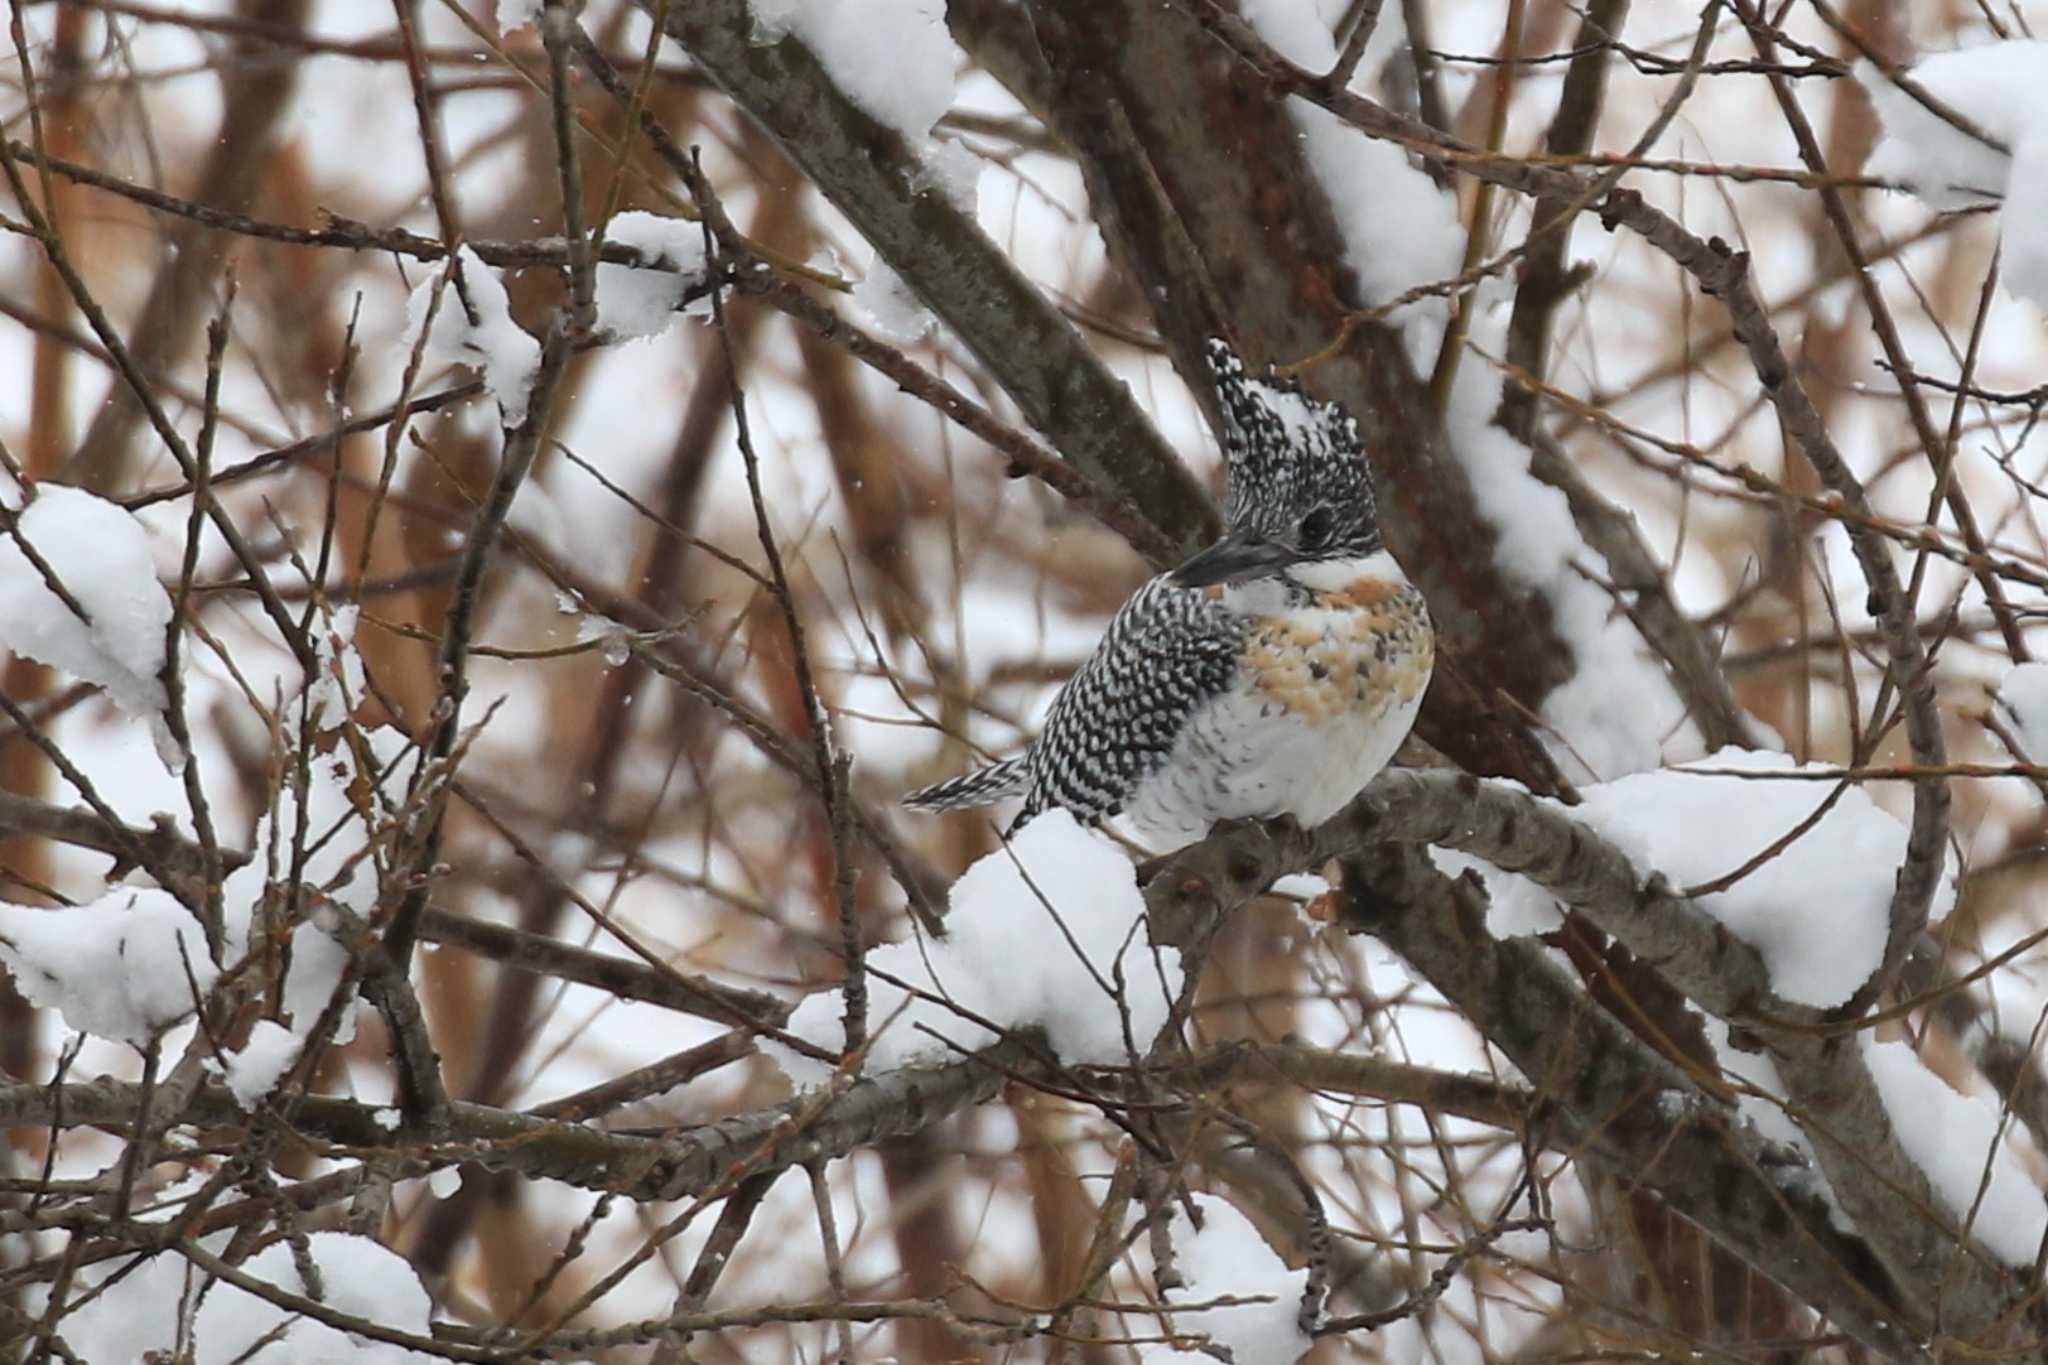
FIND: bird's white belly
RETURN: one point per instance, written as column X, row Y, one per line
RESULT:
column 1323, row 700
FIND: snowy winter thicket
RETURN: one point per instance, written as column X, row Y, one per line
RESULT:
column 449, row 757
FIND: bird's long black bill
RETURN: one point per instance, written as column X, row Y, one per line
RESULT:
column 1233, row 559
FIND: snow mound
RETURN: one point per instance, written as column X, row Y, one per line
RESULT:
column 895, row 59
column 100, row 554
column 2002, row 88
column 1818, row 910
column 1955, row 1141
column 635, row 302
column 1011, row 960
column 112, row 968
column 1228, row 1258
column 502, row 352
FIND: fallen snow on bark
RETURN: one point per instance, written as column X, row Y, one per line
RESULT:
column 253, row 1070
column 895, row 59
column 635, row 301
column 1037, row 935
column 115, row 968
column 503, row 353
column 100, row 555
column 1227, row 1258
column 2001, row 88
column 1399, row 227
column 1956, row 1141
column 896, row 312
column 1818, row 910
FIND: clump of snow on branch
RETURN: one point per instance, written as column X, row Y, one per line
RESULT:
column 897, row 62
column 1818, row 910
column 253, row 1071
column 502, row 352
column 2023, row 698
column 1036, row 937
column 1401, row 229
column 1956, row 1141
column 633, row 301
column 895, row 59
column 100, row 554
column 2001, row 88
column 137, row 1313
column 1228, row 1258
column 896, row 312
column 112, row 968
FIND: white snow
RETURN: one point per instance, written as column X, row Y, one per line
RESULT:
column 1818, row 911
column 101, row 554
column 111, row 968
column 1228, row 1258
column 2023, row 697
column 1006, row 959
column 517, row 14
column 2002, row 88
column 896, row 312
column 633, row 301
column 895, row 59
column 445, row 1181
column 1401, row 230
column 138, row 1313
column 1953, row 1139
column 252, row 1072
column 318, row 961
column 503, row 353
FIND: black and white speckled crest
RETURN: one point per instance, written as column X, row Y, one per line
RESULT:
column 1286, row 454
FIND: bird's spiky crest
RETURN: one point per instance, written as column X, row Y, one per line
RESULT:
column 1282, row 449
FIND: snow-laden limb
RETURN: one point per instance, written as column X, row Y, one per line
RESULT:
column 635, row 302
column 1958, row 1140
column 1698, row 824
column 114, row 968
column 895, row 59
column 2002, row 89
column 1039, row 933
column 137, row 1313
column 100, row 555
column 1400, row 229
column 252, row 1072
column 1880, row 1184
column 1030, row 348
column 504, row 355
column 1227, row 1258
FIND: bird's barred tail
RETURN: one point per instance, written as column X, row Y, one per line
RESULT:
column 978, row 788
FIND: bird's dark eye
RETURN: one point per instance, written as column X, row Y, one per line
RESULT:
column 1316, row 528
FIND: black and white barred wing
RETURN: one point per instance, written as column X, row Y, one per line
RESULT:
column 1167, row 654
